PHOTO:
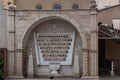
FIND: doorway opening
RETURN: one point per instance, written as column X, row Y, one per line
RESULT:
column 108, row 49
column 104, row 63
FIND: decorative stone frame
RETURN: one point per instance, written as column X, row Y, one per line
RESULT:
column 16, row 55
column 37, row 20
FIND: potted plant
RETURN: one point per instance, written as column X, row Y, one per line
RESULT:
column 1, row 68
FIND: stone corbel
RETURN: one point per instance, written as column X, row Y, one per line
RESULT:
column 12, row 5
column 93, row 5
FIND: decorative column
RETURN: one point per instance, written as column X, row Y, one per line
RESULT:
column 76, row 64
column 85, row 62
column 93, row 47
column 30, row 64
column 10, row 44
column 19, row 63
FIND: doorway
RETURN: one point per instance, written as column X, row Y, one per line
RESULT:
column 109, row 57
column 104, row 63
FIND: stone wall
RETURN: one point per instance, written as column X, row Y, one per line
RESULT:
column 23, row 33
column 24, row 22
column 106, row 15
column 48, row 4
column 3, row 27
column 25, row 19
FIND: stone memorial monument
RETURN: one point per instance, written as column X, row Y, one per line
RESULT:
column 51, row 38
column 54, row 49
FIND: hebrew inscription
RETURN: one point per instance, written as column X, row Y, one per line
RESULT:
column 54, row 48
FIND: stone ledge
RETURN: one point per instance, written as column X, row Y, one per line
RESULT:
column 86, row 78
column 28, row 79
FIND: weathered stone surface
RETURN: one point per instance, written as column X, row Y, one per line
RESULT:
column 24, row 23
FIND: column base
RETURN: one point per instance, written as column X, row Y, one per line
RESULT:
column 112, row 73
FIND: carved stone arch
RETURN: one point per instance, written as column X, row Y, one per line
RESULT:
column 37, row 20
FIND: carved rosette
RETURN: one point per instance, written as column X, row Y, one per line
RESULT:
column 85, row 63
column 18, row 63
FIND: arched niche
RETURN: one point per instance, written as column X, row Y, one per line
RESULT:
column 60, row 25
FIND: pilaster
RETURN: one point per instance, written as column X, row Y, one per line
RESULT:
column 30, row 69
column 10, row 43
column 93, row 49
column 85, row 62
column 76, row 64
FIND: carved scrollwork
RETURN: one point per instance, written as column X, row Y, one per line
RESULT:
column 18, row 64
column 85, row 63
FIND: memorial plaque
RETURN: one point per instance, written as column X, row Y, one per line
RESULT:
column 54, row 48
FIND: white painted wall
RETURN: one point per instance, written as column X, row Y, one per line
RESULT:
column 3, row 27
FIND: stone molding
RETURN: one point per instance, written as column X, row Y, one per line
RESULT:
column 11, row 32
column 93, row 51
column 85, row 50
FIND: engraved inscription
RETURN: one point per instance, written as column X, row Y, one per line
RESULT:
column 54, row 48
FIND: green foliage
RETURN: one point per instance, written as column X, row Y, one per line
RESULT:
column 1, row 61
column 1, row 72
column 1, row 67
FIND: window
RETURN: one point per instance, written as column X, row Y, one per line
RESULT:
column 75, row 7
column 39, row 7
column 57, row 7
